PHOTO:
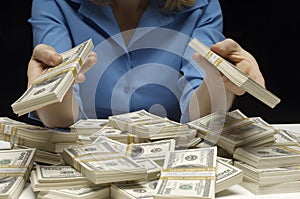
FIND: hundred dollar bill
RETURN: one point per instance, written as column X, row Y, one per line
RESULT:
column 11, row 187
column 17, row 162
column 52, row 85
column 227, row 175
column 151, row 150
column 57, row 173
column 140, row 190
column 188, row 174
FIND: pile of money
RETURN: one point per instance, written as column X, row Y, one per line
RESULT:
column 115, row 157
column 237, row 76
column 51, row 86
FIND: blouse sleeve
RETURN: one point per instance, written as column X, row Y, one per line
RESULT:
column 209, row 31
column 50, row 27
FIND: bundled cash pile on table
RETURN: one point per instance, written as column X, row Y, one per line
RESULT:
column 122, row 157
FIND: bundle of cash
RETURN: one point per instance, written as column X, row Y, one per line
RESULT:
column 153, row 169
column 16, row 165
column 269, row 176
column 136, row 190
column 6, row 124
column 115, row 134
column 101, row 163
column 269, row 157
column 45, row 178
column 280, row 188
column 42, row 138
column 227, row 175
column 73, row 193
column 238, row 77
column 164, row 129
column 11, row 187
column 230, row 130
column 51, row 86
column 283, row 138
column 86, row 127
column 188, row 173
column 126, row 121
column 17, row 162
column 151, row 150
column 44, row 157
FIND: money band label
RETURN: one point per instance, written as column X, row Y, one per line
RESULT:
column 213, row 58
column 70, row 68
column 65, row 67
column 188, row 169
column 291, row 149
column 187, row 178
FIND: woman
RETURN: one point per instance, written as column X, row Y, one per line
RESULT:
column 140, row 60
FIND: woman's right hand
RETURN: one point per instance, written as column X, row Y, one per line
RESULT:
column 44, row 56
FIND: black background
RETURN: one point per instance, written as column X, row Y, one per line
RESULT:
column 267, row 31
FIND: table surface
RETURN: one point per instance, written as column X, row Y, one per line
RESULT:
column 234, row 192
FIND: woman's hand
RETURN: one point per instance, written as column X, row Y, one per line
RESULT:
column 233, row 52
column 44, row 56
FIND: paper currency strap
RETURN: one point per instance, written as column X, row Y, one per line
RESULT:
column 73, row 65
column 213, row 58
column 187, row 178
column 13, row 170
column 17, row 167
column 130, row 138
column 294, row 149
column 189, row 169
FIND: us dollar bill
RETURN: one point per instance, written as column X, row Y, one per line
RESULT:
column 188, row 174
column 53, row 83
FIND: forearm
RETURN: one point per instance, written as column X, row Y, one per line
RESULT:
column 61, row 114
column 211, row 96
